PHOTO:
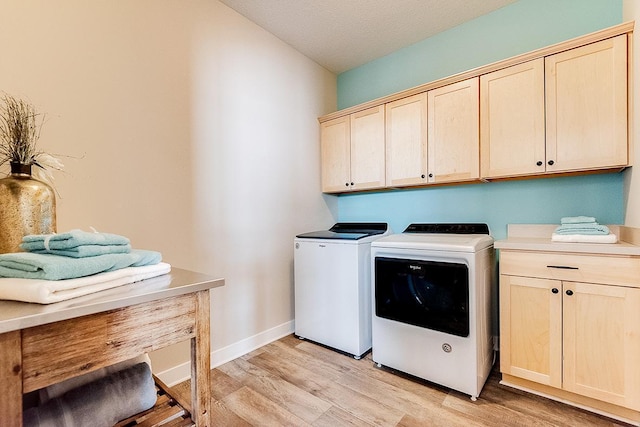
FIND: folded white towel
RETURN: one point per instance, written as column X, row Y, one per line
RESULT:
column 49, row 291
column 584, row 238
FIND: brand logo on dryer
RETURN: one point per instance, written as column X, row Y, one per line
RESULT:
column 415, row 267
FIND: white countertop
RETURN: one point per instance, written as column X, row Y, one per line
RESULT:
column 537, row 237
column 15, row 315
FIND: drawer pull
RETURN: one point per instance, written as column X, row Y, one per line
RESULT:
column 564, row 267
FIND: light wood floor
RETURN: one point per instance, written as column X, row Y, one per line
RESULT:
column 293, row 382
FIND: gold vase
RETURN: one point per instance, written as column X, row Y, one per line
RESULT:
column 27, row 206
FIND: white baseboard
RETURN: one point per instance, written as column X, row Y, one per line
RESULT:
column 219, row 357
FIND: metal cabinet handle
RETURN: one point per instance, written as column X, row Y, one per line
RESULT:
column 569, row 292
column 538, row 163
column 563, row 267
column 554, row 290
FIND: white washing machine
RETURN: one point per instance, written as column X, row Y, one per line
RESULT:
column 433, row 287
column 332, row 285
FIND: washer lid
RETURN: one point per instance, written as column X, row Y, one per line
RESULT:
column 442, row 237
column 348, row 231
column 448, row 228
column 440, row 242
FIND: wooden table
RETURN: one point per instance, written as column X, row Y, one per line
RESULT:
column 44, row 344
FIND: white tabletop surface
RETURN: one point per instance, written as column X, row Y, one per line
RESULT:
column 15, row 315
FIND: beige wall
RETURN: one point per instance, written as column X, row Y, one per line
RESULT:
column 191, row 130
column 631, row 12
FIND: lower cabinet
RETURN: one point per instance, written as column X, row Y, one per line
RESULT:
column 579, row 338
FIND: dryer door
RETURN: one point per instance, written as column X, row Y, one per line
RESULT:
column 429, row 294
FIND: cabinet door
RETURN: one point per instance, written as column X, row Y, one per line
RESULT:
column 335, row 140
column 512, row 121
column 531, row 329
column 586, row 101
column 453, row 132
column 602, row 342
column 367, row 149
column 406, row 127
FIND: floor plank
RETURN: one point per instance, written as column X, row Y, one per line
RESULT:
column 305, row 405
column 258, row 410
column 293, row 382
column 326, row 387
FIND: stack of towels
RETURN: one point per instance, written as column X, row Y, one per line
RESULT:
column 56, row 267
column 582, row 229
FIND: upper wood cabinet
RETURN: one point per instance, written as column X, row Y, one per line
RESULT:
column 433, row 137
column 406, row 132
column 563, row 109
column 586, row 106
column 453, row 132
column 353, row 151
column 512, row 141
column 335, row 141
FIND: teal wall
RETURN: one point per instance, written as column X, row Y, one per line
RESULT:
column 518, row 28
column 541, row 201
column 523, row 26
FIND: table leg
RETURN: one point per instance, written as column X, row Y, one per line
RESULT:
column 11, row 379
column 200, row 363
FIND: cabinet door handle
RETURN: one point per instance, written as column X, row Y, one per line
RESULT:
column 564, row 267
column 430, row 175
column 539, row 163
column 550, row 162
column 554, row 290
column 352, row 184
column 422, row 176
column 569, row 292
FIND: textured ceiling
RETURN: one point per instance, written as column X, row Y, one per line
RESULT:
column 343, row 34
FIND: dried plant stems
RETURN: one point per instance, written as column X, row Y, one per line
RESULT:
column 20, row 126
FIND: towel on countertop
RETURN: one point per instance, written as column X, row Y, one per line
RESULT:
column 582, row 238
column 51, row 291
column 84, row 251
column 71, row 240
column 581, row 225
column 28, row 265
column 588, row 229
column 103, row 402
column 577, row 220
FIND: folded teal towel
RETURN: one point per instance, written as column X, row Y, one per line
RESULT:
column 28, row 265
column 84, row 250
column 588, row 229
column 577, row 220
column 74, row 239
column 145, row 257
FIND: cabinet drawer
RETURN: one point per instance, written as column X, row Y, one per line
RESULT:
column 614, row 270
